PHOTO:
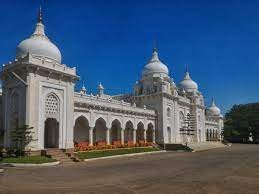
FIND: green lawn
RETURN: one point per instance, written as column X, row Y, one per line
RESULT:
column 104, row 153
column 28, row 160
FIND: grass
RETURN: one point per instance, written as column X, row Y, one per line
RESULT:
column 28, row 160
column 104, row 153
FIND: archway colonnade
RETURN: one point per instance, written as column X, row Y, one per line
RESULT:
column 114, row 133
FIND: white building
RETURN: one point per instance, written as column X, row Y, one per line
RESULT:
column 38, row 90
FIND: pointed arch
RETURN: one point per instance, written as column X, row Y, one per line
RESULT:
column 99, row 132
column 81, row 130
column 140, row 132
column 115, row 130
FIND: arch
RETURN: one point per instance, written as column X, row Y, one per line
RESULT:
column 99, row 132
column 115, row 131
column 140, row 132
column 51, row 133
column 128, row 120
column 150, row 132
column 128, row 133
column 81, row 130
column 168, row 112
column 99, row 118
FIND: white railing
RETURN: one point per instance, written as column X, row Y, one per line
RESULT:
column 109, row 102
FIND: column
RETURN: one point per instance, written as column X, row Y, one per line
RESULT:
column 108, row 136
column 134, row 135
column 154, row 136
column 145, row 135
column 91, row 138
column 122, row 136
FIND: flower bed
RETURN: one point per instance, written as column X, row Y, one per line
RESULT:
column 105, row 153
column 84, row 146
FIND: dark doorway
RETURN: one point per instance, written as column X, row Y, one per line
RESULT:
column 51, row 133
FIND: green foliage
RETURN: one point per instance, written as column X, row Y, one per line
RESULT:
column 28, row 160
column 21, row 137
column 104, row 153
column 241, row 120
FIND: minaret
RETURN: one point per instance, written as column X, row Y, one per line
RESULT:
column 100, row 89
column 83, row 90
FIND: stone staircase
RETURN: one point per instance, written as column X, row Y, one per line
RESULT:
column 199, row 146
column 62, row 155
column 174, row 147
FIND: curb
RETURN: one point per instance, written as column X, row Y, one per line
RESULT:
column 123, row 155
column 31, row 165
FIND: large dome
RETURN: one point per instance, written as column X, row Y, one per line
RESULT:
column 213, row 110
column 155, row 66
column 188, row 84
column 38, row 45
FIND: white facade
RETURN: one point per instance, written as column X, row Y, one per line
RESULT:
column 38, row 90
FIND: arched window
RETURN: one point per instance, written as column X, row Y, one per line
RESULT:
column 168, row 112
column 15, row 110
column 52, row 106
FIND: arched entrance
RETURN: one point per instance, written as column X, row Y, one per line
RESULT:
column 128, row 133
column 115, row 131
column 81, row 130
column 140, row 132
column 51, row 129
column 100, row 130
column 51, row 133
column 150, row 132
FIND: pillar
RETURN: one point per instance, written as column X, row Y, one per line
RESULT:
column 91, row 137
column 154, row 136
column 134, row 136
column 122, row 136
column 145, row 135
column 108, row 132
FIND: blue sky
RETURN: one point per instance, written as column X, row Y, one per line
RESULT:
column 110, row 41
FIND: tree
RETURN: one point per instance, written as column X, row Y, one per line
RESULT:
column 189, row 123
column 21, row 137
column 242, row 120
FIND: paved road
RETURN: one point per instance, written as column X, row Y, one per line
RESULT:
column 226, row 170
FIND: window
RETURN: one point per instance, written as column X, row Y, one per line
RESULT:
column 52, row 105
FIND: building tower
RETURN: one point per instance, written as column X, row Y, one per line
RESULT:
column 38, row 90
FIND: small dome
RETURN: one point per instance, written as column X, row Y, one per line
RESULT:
column 155, row 66
column 38, row 44
column 213, row 110
column 188, row 84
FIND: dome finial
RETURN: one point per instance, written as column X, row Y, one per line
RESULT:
column 154, row 53
column 155, row 46
column 40, row 15
column 186, row 68
column 187, row 74
column 213, row 102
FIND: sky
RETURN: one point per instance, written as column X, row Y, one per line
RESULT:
column 111, row 41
